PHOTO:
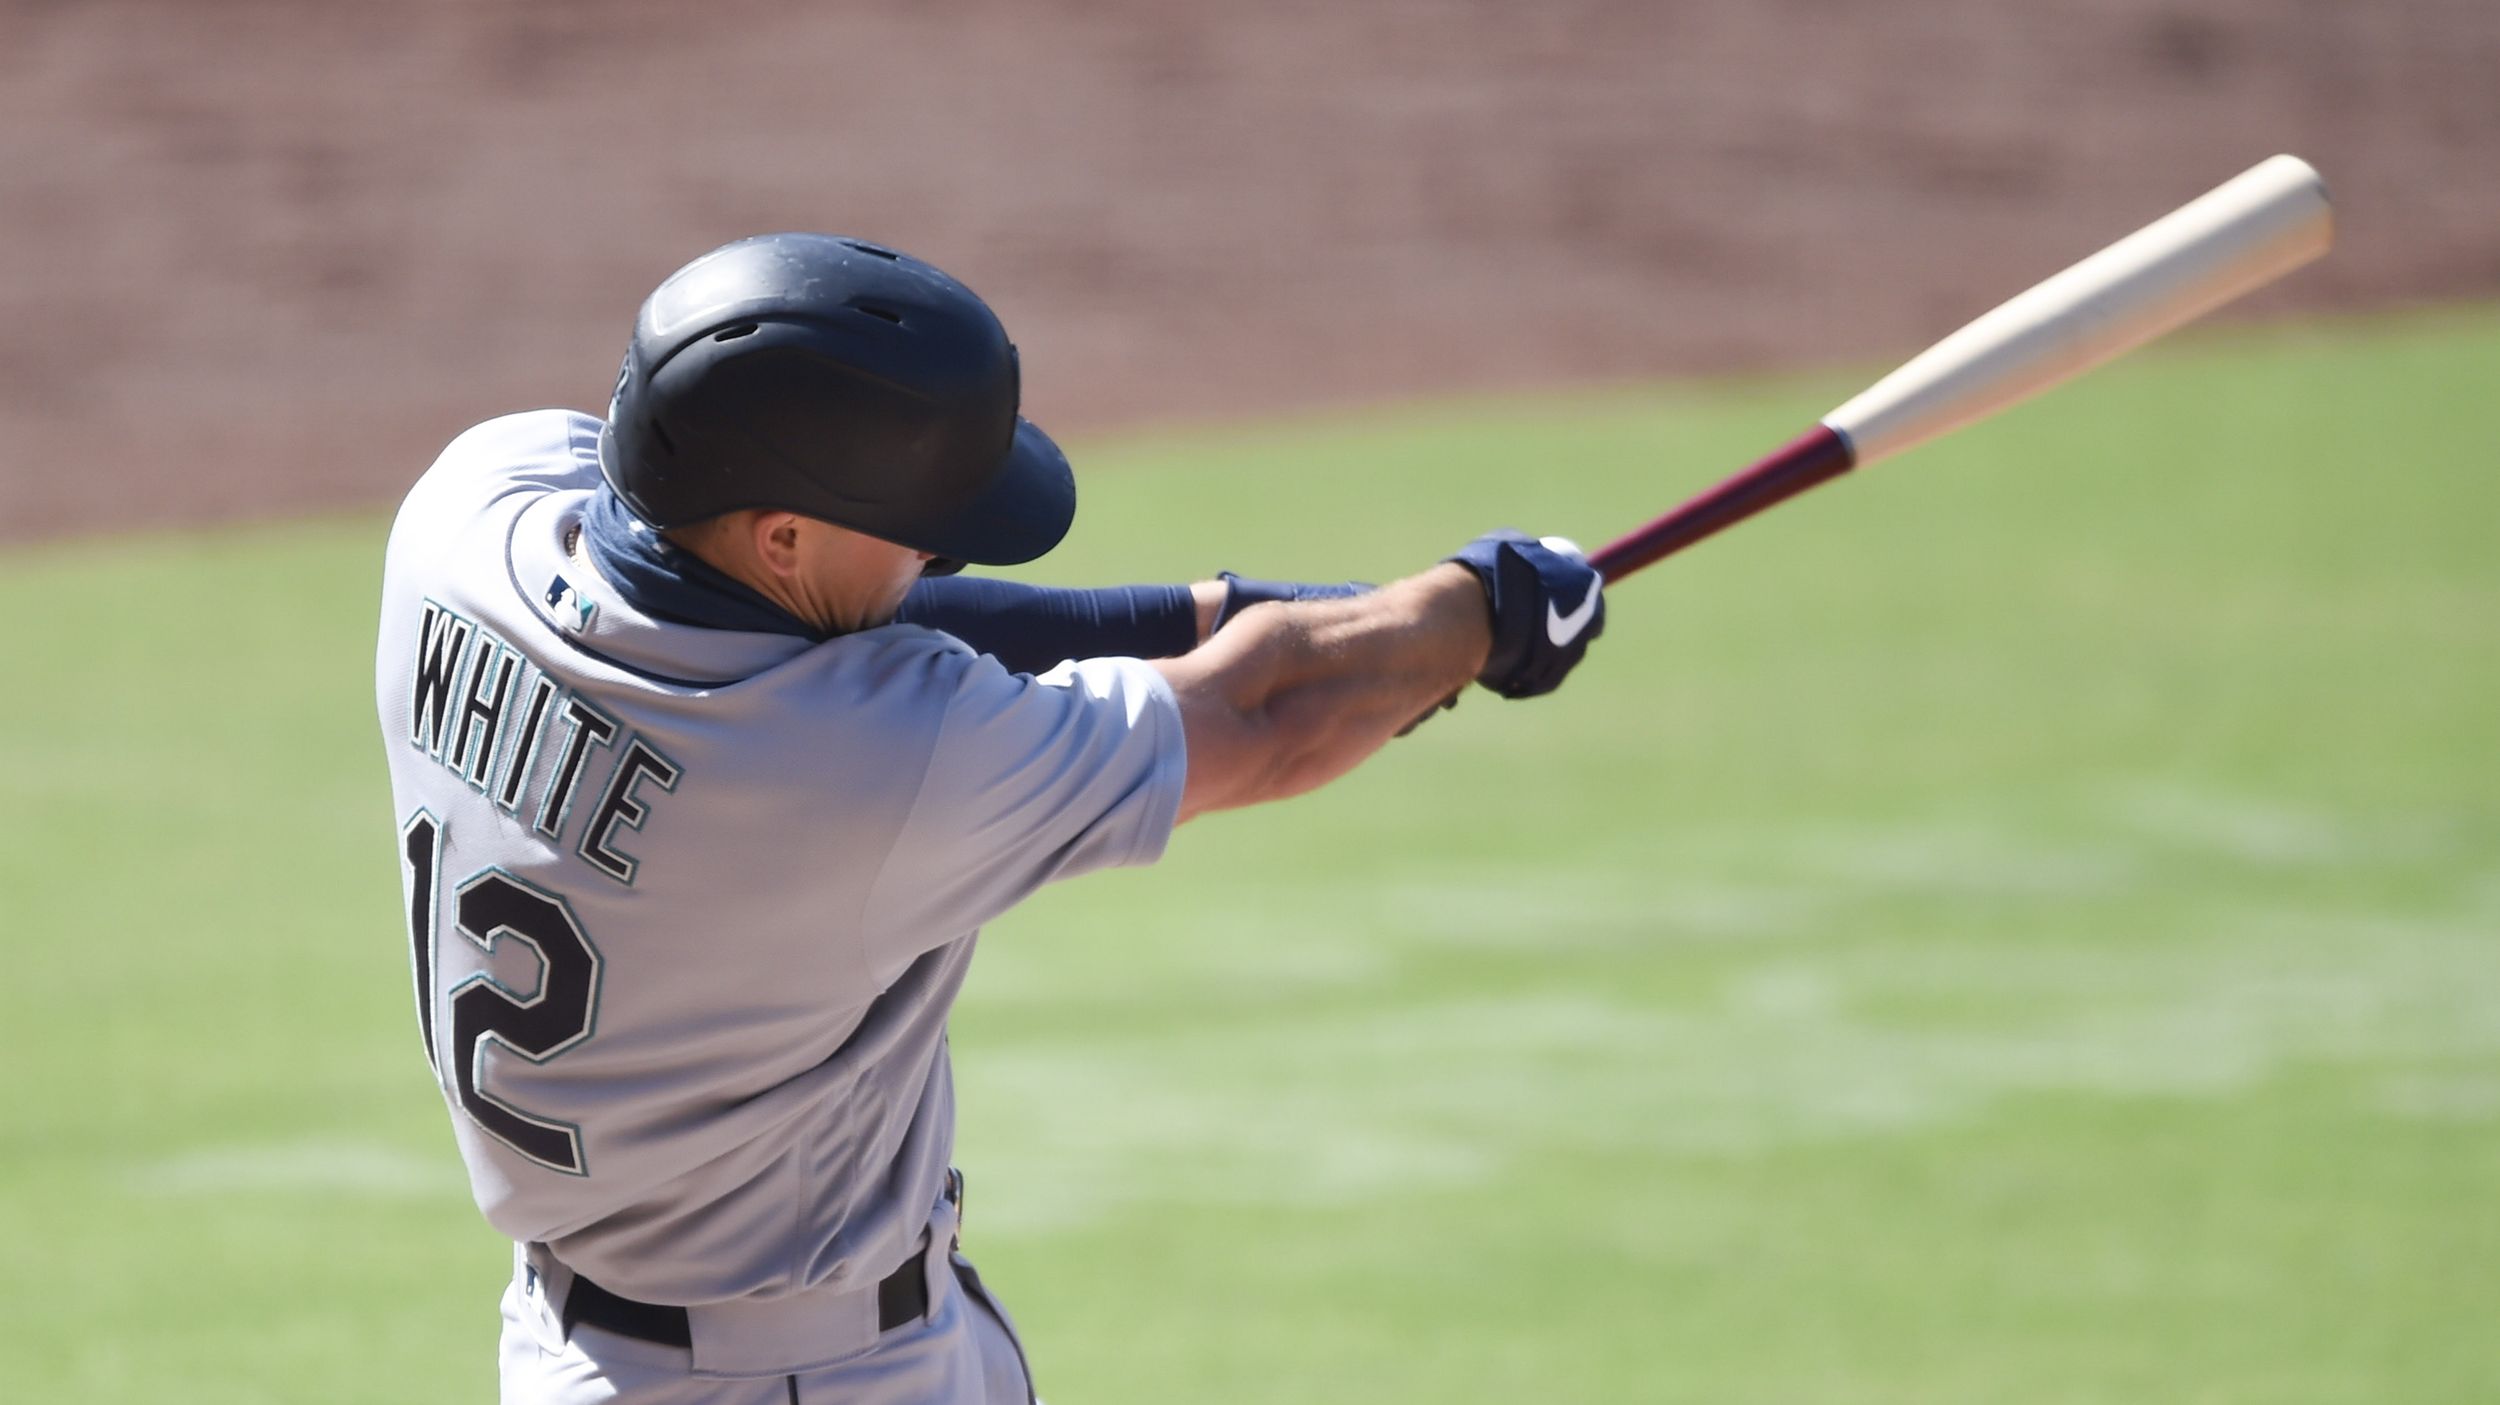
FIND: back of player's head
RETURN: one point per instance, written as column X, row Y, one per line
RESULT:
column 842, row 380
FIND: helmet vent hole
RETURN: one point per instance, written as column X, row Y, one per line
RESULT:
column 872, row 250
column 887, row 314
column 743, row 329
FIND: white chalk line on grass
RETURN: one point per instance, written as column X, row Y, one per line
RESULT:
column 1731, row 888
column 314, row 1166
column 2457, row 1096
column 1808, row 1044
column 1338, row 1107
column 2241, row 827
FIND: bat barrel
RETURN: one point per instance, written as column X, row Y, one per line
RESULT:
column 2243, row 234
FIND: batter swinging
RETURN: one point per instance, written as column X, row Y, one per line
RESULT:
column 707, row 774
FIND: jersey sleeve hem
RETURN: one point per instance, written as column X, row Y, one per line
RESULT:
column 1171, row 768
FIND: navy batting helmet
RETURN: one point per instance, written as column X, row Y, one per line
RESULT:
column 841, row 380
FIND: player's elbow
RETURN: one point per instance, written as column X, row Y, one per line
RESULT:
column 1234, row 756
column 1256, row 756
column 1288, row 698
column 1243, row 747
column 1275, row 747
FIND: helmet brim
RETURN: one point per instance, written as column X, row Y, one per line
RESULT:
column 1025, row 511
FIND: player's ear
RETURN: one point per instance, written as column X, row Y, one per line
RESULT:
column 776, row 539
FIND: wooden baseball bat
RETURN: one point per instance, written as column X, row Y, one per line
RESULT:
column 2240, row 236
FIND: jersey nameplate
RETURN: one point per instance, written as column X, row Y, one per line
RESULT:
column 485, row 713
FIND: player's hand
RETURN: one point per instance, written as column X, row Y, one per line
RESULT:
column 1547, row 602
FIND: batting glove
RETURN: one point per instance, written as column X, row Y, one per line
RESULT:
column 1547, row 603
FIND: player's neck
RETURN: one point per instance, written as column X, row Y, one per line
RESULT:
column 829, row 578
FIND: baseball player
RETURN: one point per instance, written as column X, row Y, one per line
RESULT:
column 706, row 776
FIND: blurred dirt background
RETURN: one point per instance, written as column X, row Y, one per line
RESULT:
column 265, row 256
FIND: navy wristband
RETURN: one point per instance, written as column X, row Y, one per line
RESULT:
column 1242, row 592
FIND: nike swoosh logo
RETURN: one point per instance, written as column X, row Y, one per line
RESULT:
column 1562, row 628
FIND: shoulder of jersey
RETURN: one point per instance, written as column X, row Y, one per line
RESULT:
column 532, row 449
column 927, row 666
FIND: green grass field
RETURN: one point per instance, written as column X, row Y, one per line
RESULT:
column 2020, row 926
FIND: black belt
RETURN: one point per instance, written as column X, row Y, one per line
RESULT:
column 902, row 1298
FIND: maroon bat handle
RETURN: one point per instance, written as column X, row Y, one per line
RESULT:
column 1812, row 457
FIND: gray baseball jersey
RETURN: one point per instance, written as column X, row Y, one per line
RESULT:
column 689, row 906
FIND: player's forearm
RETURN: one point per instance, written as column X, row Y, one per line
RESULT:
column 1291, row 696
column 1030, row 628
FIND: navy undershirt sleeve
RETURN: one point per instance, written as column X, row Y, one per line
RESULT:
column 1031, row 628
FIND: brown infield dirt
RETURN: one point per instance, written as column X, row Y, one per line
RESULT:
column 264, row 258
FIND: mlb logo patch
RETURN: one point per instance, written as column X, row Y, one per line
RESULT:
column 560, row 592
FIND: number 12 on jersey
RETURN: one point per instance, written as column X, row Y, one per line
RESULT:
column 488, row 908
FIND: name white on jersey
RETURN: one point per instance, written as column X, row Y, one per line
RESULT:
column 486, row 734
